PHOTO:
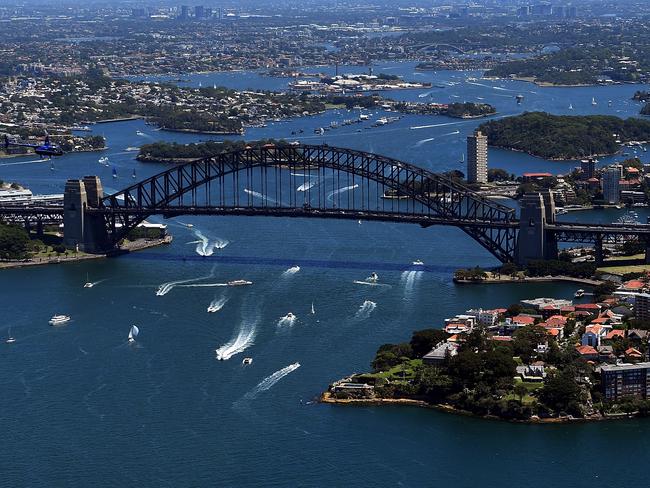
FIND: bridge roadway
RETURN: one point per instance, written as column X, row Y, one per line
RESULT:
column 564, row 231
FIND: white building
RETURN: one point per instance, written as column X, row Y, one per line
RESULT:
column 477, row 155
column 610, row 182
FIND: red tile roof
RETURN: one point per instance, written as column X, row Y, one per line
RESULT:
column 586, row 350
column 615, row 333
column 523, row 319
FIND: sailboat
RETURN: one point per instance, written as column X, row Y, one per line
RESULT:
column 133, row 333
column 51, row 165
column 570, row 106
column 114, row 172
column 462, row 159
column 593, row 101
column 313, row 310
column 133, row 175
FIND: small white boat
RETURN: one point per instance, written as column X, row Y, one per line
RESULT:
column 89, row 284
column 10, row 340
column 593, row 101
column 239, row 283
column 417, row 262
column 313, row 310
column 247, row 361
column 579, row 293
column 139, row 133
column 289, row 316
column 103, row 160
column 359, row 222
column 59, row 319
column 133, row 333
column 570, row 106
column 373, row 278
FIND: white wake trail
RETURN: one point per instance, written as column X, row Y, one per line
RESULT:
column 206, row 247
column 268, row 382
column 416, row 127
column 424, row 141
column 366, row 309
column 331, row 194
column 291, row 271
column 287, row 321
column 259, row 195
column 243, row 340
column 410, row 278
column 165, row 288
column 217, row 304
column 313, row 181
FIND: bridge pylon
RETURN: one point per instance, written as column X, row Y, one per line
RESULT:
column 83, row 230
column 534, row 241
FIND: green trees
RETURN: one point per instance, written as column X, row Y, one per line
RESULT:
column 423, row 341
column 526, row 340
column 564, row 137
column 14, row 242
column 561, row 393
column 389, row 355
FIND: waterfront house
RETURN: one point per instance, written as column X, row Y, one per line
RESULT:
column 532, row 372
column 438, row 355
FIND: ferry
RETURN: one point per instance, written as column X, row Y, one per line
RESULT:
column 580, row 293
column 247, row 361
column 239, row 283
column 59, row 319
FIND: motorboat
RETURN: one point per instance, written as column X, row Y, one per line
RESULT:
column 10, row 340
column 417, row 262
column 133, row 333
column 139, row 133
column 247, row 361
column 59, row 319
column 373, row 278
column 289, row 316
column 89, row 284
column 239, row 283
column 578, row 294
column 103, row 160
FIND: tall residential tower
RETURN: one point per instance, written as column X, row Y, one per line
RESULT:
column 477, row 158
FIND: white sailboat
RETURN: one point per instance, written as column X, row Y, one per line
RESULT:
column 570, row 106
column 133, row 333
column 10, row 340
column 313, row 310
column 593, row 101
column 88, row 283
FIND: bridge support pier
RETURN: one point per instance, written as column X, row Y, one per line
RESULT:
column 534, row 241
column 80, row 228
column 598, row 251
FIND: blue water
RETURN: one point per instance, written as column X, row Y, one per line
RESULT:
column 80, row 406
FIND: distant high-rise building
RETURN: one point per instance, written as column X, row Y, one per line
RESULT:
column 138, row 12
column 199, row 12
column 572, row 12
column 477, row 158
column 588, row 167
column 185, row 12
column 611, row 187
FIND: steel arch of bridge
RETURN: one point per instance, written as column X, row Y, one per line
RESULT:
column 418, row 196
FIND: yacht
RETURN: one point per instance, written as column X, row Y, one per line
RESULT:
column 59, row 319
column 580, row 293
column 88, row 284
column 373, row 278
column 247, row 361
column 139, row 133
column 417, row 262
column 381, row 121
column 239, row 283
column 10, row 340
column 364, row 116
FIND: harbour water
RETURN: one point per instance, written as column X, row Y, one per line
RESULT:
column 77, row 401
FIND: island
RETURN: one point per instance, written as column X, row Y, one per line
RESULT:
column 174, row 153
column 464, row 110
column 564, row 137
column 539, row 360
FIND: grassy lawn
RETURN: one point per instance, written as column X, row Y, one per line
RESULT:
column 332, row 106
column 610, row 265
column 530, row 385
column 402, row 371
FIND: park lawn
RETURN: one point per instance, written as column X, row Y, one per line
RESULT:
column 530, row 385
column 403, row 371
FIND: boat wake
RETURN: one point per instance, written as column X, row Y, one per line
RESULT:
column 287, row 321
column 165, row 288
column 313, row 181
column 244, row 339
column 371, row 283
column 217, row 304
column 205, row 246
column 268, row 382
column 424, row 141
column 291, row 271
column 331, row 194
column 430, row 126
column 259, row 195
column 365, row 309
column 409, row 279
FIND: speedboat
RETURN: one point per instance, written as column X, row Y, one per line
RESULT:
column 373, row 278
column 10, row 340
column 579, row 293
column 59, row 319
column 417, row 262
column 239, row 283
column 89, row 284
column 289, row 316
column 139, row 133
column 247, row 361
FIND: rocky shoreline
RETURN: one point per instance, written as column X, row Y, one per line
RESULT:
column 327, row 397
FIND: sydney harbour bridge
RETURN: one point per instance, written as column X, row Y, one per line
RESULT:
column 315, row 181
